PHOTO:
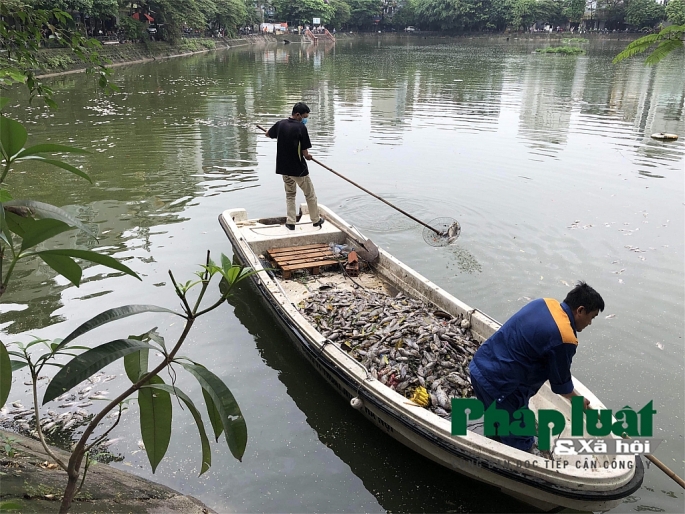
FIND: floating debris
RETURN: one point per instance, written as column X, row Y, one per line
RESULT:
column 404, row 343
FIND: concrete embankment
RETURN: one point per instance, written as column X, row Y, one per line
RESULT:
column 31, row 479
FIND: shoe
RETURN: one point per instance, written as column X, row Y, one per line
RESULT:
column 289, row 226
column 319, row 223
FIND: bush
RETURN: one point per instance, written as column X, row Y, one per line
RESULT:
column 575, row 41
column 61, row 62
column 565, row 50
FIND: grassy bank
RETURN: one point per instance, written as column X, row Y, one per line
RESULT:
column 57, row 60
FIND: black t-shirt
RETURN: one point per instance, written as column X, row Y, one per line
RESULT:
column 292, row 138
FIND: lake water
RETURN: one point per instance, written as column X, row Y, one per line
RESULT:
column 546, row 161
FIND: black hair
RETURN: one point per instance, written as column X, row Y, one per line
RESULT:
column 300, row 108
column 584, row 296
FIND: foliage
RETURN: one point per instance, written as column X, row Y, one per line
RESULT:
column 675, row 11
column 153, row 394
column 22, row 30
column 524, row 13
column 362, row 12
column 666, row 41
column 25, row 228
column 565, row 50
column 341, row 13
column 644, row 13
column 612, row 11
column 575, row 40
column 574, row 10
column 197, row 45
column 303, row 11
column 56, row 62
column 406, row 14
column 134, row 30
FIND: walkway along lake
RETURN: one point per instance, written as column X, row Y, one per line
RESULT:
column 546, row 161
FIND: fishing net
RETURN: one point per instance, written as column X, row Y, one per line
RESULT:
column 445, row 232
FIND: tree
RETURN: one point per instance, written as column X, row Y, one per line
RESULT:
column 612, row 11
column 574, row 10
column 303, row 11
column 406, row 14
column 524, row 13
column 341, row 13
column 231, row 14
column 675, row 11
column 362, row 12
column 644, row 13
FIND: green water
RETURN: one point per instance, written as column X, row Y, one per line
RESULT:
column 545, row 160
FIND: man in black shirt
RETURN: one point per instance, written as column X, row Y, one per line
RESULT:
column 291, row 162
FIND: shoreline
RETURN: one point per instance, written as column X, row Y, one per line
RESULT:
column 141, row 53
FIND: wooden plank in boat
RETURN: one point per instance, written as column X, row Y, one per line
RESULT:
column 310, row 257
column 314, row 252
column 275, row 251
column 313, row 267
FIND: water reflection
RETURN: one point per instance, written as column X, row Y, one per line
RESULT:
column 400, row 479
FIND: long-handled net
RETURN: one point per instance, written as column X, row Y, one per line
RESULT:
column 440, row 232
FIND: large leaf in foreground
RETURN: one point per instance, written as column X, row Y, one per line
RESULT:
column 46, row 210
column 94, row 257
column 88, row 363
column 5, row 374
column 206, row 451
column 60, row 164
column 214, row 416
column 155, row 421
column 235, row 428
column 111, row 315
column 63, row 265
column 40, row 231
column 13, row 135
column 135, row 365
column 49, row 147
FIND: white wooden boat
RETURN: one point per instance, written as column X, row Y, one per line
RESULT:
column 588, row 483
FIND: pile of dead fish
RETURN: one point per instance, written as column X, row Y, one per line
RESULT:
column 404, row 343
column 71, row 408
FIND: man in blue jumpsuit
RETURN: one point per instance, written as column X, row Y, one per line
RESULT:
column 535, row 345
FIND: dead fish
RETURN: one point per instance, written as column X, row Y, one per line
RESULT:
column 109, row 443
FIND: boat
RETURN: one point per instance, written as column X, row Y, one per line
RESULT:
column 587, row 483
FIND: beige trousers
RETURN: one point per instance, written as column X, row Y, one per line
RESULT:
column 305, row 184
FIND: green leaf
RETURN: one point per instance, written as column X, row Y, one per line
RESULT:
column 232, row 419
column 214, row 416
column 87, row 255
column 5, row 374
column 48, row 147
column 45, row 210
column 17, row 365
column 135, row 365
column 225, row 262
column 63, row 265
column 41, row 230
column 155, row 421
column 206, row 451
column 88, row 363
column 59, row 164
column 662, row 50
column 111, row 315
column 12, row 136
column 4, row 101
column 9, row 506
column 5, row 196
